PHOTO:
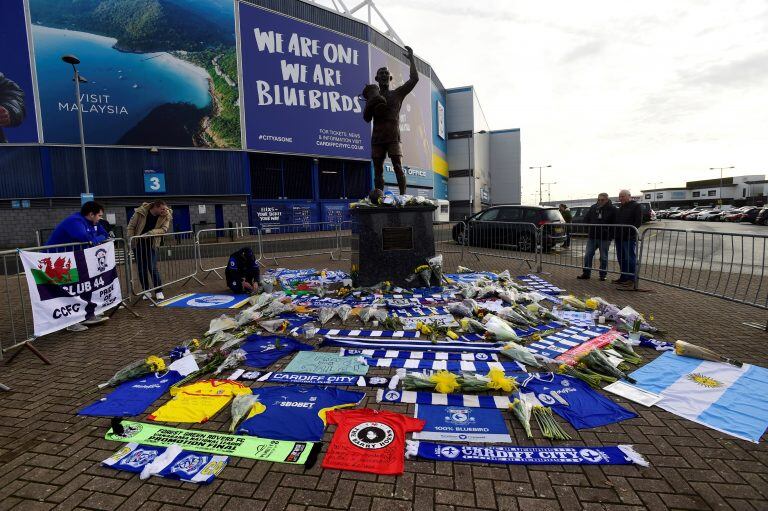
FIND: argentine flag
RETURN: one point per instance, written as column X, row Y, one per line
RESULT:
column 729, row 399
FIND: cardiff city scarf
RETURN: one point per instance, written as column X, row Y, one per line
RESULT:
column 469, row 278
column 508, row 455
column 262, row 449
column 538, row 284
column 323, row 379
column 434, row 398
column 421, row 355
column 412, row 344
column 439, row 365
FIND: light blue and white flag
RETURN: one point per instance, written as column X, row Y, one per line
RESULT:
column 421, row 355
column 729, row 399
column 447, row 365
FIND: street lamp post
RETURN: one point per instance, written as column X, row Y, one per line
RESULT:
column 541, row 199
column 74, row 61
column 549, row 190
column 654, row 184
column 721, row 180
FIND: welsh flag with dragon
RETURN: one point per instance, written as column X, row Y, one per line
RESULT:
column 67, row 287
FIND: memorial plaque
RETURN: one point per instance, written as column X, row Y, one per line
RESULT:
column 397, row 238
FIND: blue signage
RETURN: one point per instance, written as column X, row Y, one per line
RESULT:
column 414, row 176
column 154, row 181
column 85, row 197
column 300, row 87
column 25, row 203
column 15, row 204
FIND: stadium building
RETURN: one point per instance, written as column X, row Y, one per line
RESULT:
column 234, row 112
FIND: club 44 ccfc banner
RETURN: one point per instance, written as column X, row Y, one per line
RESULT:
column 67, row 287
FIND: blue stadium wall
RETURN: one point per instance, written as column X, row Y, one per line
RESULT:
column 273, row 188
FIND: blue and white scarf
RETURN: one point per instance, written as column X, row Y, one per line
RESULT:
column 435, row 398
column 558, row 343
column 421, row 355
column 538, row 284
column 509, row 455
column 410, row 312
column 439, row 365
column 385, row 334
column 411, row 344
column 321, row 379
column 469, row 278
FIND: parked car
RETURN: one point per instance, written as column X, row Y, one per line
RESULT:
column 751, row 215
column 648, row 214
column 677, row 215
column 711, row 215
column 735, row 215
column 668, row 212
column 579, row 212
column 511, row 227
column 762, row 217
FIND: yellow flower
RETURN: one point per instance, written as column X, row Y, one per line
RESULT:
column 156, row 364
column 194, row 345
column 445, row 382
column 500, row 382
column 536, row 337
column 591, row 303
column 650, row 317
column 452, row 334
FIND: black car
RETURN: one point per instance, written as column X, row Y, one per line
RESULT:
column 751, row 216
column 762, row 217
column 511, row 227
column 579, row 212
column 648, row 213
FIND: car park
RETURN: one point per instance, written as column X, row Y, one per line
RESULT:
column 750, row 215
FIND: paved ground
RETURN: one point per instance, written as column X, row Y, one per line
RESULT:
column 49, row 457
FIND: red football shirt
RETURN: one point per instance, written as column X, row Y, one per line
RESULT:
column 369, row 441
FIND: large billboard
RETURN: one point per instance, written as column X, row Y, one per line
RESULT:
column 415, row 113
column 300, row 87
column 159, row 72
column 18, row 122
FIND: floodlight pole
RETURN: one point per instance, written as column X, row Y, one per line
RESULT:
column 74, row 61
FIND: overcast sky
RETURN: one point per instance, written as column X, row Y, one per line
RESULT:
column 611, row 94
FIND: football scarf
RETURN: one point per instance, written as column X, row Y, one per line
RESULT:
column 323, row 379
column 469, row 278
column 536, row 283
column 507, row 455
column 439, row 365
column 412, row 312
column 412, row 344
column 170, row 463
column 558, row 343
column 434, row 398
column 395, row 334
column 421, row 355
column 262, row 449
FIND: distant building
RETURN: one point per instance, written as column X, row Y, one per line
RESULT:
column 736, row 191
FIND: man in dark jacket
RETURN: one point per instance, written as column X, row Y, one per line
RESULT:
column 600, row 213
column 12, row 110
column 629, row 214
column 242, row 271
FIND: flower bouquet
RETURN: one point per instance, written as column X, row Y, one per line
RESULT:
column 521, row 408
column 499, row 329
column 234, row 359
column 599, row 363
column 686, row 349
column 149, row 365
column 325, row 314
column 494, row 380
column 221, row 323
column 242, row 406
column 344, row 311
column 547, row 423
column 443, row 382
column 520, row 353
column 436, row 265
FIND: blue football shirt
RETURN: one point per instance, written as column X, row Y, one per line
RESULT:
column 296, row 412
column 574, row 400
column 132, row 397
column 263, row 351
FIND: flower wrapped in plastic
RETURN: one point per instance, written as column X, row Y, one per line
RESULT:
column 424, row 272
column 494, row 380
column 268, row 285
column 244, row 405
column 472, row 326
column 234, row 359
column 262, row 300
column 499, row 329
column 520, row 353
column 149, row 365
column 521, row 409
column 247, row 316
column 459, row 309
column 445, row 382
column 276, row 308
column 627, row 352
column 344, row 311
column 436, row 265
column 325, row 314
column 221, row 323
column 467, row 290
column 379, row 315
column 599, row 363
column 391, row 323
column 543, row 313
column 275, row 326
column 513, row 315
column 464, row 269
column 508, row 295
column 573, row 303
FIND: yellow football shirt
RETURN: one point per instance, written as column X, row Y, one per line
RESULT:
column 199, row 401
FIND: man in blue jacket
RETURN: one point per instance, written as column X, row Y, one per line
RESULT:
column 82, row 227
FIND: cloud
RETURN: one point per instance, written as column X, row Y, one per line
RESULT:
column 583, row 51
column 749, row 71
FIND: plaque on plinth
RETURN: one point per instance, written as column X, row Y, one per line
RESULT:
column 388, row 244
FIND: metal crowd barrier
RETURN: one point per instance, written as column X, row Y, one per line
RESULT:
column 452, row 252
column 163, row 260
column 730, row 266
column 300, row 240
column 568, row 245
column 19, row 325
column 487, row 241
column 214, row 246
